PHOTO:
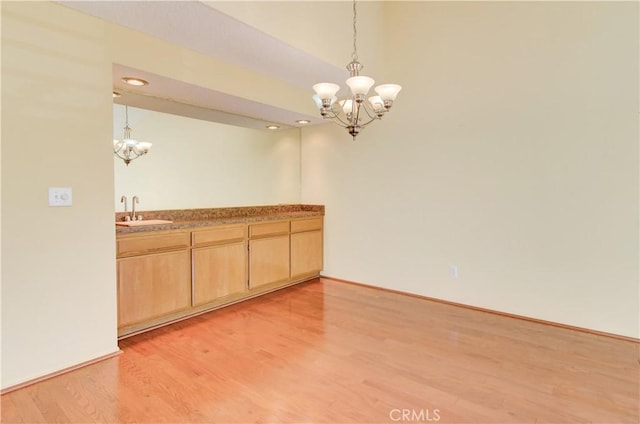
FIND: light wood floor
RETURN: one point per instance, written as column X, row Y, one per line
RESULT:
column 331, row 352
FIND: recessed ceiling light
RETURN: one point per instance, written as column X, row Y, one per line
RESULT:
column 303, row 121
column 134, row 81
column 116, row 94
column 272, row 127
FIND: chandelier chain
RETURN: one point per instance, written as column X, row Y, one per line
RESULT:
column 354, row 55
column 127, row 128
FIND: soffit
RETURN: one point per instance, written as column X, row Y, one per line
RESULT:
column 199, row 27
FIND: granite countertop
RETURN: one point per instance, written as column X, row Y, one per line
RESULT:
column 196, row 218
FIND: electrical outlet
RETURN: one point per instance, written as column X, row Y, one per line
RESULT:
column 453, row 271
column 60, row 196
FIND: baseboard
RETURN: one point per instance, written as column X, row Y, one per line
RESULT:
column 491, row 311
column 60, row 372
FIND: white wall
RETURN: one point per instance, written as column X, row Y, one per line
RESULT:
column 201, row 164
column 512, row 153
column 58, row 267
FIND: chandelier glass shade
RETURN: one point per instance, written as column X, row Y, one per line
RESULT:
column 356, row 111
column 129, row 149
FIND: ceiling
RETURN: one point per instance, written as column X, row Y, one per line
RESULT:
column 195, row 25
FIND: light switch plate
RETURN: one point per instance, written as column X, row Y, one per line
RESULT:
column 60, row 196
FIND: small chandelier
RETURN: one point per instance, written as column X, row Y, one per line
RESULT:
column 355, row 113
column 129, row 149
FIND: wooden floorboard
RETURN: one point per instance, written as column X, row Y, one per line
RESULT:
column 331, row 352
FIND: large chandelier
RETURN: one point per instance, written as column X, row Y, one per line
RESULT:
column 354, row 113
column 129, row 149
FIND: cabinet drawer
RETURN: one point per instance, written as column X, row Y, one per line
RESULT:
column 268, row 229
column 140, row 244
column 218, row 235
column 301, row 225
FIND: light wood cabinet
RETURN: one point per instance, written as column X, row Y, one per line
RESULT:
column 153, row 285
column 170, row 275
column 306, row 247
column 221, row 235
column 219, row 263
column 154, row 276
column 268, row 254
column 268, row 261
column 139, row 244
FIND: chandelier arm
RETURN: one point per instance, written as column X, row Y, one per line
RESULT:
column 370, row 117
column 124, row 157
column 127, row 153
column 337, row 119
column 368, row 113
column 368, row 122
column 364, row 124
column 371, row 114
column 357, row 107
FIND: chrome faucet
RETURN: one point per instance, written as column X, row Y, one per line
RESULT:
column 123, row 199
column 134, row 200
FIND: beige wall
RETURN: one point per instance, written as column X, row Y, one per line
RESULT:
column 58, row 264
column 323, row 28
column 512, row 153
column 58, row 270
column 201, row 164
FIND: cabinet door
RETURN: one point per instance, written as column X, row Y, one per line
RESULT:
column 268, row 260
column 219, row 271
column 151, row 286
column 306, row 254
